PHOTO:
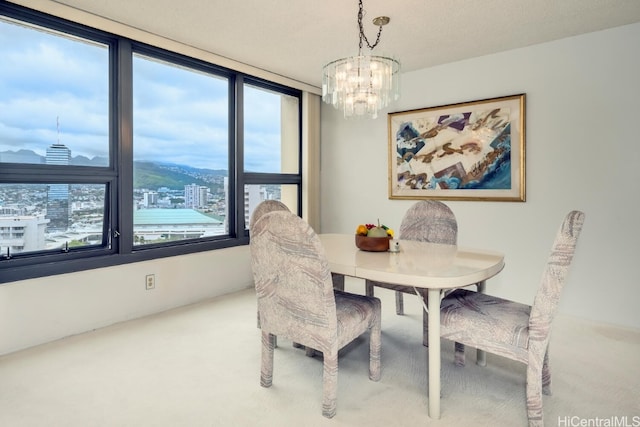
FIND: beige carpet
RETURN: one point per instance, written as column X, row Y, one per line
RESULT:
column 199, row 366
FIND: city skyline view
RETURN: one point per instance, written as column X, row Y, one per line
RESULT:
column 55, row 106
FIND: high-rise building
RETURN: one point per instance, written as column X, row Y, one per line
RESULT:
column 253, row 195
column 195, row 196
column 58, row 154
column 20, row 232
column 58, row 205
column 150, row 199
column 203, row 196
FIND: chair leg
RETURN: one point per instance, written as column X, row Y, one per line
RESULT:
column 266, row 369
column 458, row 358
column 329, row 384
column 481, row 357
column 534, row 396
column 546, row 374
column 399, row 303
column 338, row 281
column 375, row 343
column 275, row 339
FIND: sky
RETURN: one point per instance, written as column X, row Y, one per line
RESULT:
column 55, row 90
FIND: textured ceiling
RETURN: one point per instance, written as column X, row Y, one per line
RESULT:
column 295, row 38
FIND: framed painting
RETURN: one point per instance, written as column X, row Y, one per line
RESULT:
column 467, row 151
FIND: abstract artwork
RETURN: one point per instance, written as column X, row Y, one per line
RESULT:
column 467, row 151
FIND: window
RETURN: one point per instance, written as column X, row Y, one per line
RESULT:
column 112, row 151
column 55, row 152
column 180, row 152
column 272, row 160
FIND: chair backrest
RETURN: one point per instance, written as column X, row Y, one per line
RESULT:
column 554, row 277
column 429, row 221
column 265, row 207
column 293, row 281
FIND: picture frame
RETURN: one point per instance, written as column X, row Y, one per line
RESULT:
column 466, row 151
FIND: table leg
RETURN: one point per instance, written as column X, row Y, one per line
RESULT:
column 481, row 355
column 434, row 353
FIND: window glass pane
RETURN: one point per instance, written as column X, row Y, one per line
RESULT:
column 254, row 194
column 271, row 131
column 40, row 217
column 54, row 93
column 180, row 152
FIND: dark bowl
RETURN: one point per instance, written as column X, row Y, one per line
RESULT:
column 372, row 244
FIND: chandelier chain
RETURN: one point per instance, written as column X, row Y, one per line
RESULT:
column 361, row 28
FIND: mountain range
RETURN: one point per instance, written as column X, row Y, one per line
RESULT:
column 147, row 174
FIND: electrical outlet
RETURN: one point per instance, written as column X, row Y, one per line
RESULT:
column 150, row 281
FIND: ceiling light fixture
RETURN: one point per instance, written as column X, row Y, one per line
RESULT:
column 364, row 84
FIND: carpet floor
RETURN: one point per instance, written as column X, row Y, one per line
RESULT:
column 199, row 365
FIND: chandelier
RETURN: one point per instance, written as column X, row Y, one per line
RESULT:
column 364, row 84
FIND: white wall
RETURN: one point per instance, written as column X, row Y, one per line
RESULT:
column 582, row 148
column 40, row 310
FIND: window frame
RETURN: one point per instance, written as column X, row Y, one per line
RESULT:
column 118, row 175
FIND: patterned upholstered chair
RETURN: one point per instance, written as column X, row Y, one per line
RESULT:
column 296, row 300
column 276, row 205
column 517, row 331
column 426, row 221
column 264, row 207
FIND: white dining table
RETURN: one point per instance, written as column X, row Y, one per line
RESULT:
column 422, row 265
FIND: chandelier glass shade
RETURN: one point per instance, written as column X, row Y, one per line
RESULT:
column 364, row 84
column 361, row 85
